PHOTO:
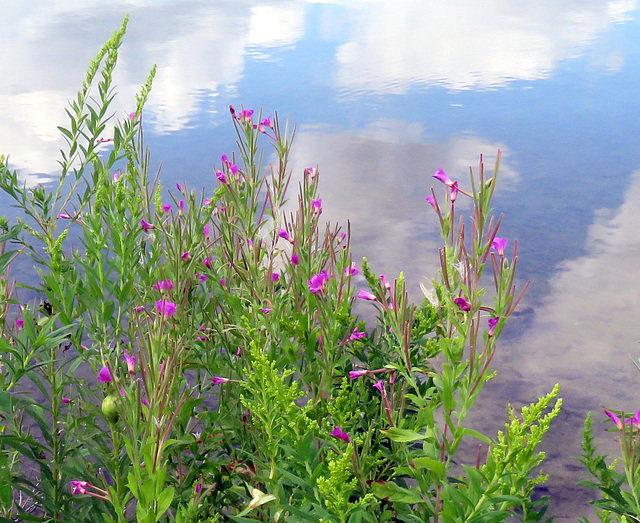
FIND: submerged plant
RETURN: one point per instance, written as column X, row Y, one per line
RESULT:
column 229, row 379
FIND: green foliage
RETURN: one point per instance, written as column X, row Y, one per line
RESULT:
column 236, row 383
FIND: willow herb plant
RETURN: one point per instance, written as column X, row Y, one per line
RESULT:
column 193, row 355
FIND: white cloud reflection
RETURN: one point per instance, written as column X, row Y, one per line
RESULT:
column 484, row 44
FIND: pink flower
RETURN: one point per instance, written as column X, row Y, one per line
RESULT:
column 217, row 380
column 275, row 276
column 19, row 323
column 79, row 487
column 316, row 283
column 266, row 122
column 284, row 234
column 166, row 207
column 179, row 187
column 265, row 310
column 295, row 259
column 634, row 421
column 146, row 226
column 499, row 244
column 104, row 375
column 66, row 400
column 205, row 232
column 385, row 282
column 615, row 419
column 352, row 270
column 356, row 335
column 431, row 201
column 338, row 433
column 221, row 177
column 463, row 304
column 166, row 308
column 316, row 206
column 492, row 325
column 207, row 263
column 139, row 309
column 355, row 374
column 165, row 284
column 441, row 176
column 131, row 362
column 366, row 295
column 185, row 256
column 223, row 282
column 379, row 385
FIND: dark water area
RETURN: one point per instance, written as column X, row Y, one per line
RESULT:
column 383, row 93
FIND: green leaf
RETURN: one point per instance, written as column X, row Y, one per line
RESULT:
column 394, row 493
column 431, row 464
column 403, row 435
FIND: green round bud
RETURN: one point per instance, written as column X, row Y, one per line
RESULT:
column 110, row 409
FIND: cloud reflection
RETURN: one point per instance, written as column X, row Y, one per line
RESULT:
column 462, row 45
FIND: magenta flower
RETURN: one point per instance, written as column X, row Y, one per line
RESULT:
column 499, row 244
column 275, row 276
column 165, row 284
column 379, row 385
column 634, row 421
column 205, row 232
column 198, row 488
column 285, row 235
column 186, row 256
column 316, row 283
column 146, row 226
column 223, row 282
column 441, row 176
column 166, row 308
column 217, row 380
column 19, row 323
column 179, row 187
column 352, row 270
column 431, row 201
column 104, row 375
column 615, row 419
column 295, row 259
column 366, row 295
column 139, row 309
column 66, row 400
column 492, row 325
column 131, row 362
column 356, row 335
column 311, row 172
column 166, row 207
column 338, row 433
column 385, row 282
column 316, row 206
column 79, row 487
column 265, row 310
column 181, row 205
column 221, row 177
column 463, row 304
column 454, row 191
column 207, row 263
column 355, row 374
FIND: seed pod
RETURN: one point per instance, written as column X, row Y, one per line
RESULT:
column 110, row 409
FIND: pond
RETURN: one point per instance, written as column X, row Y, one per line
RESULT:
column 383, row 93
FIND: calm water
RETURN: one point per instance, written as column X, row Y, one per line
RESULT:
column 384, row 93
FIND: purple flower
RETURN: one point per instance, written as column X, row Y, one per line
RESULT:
column 66, row 400
column 221, row 177
column 463, row 304
column 131, row 362
column 356, row 335
column 499, row 244
column 615, row 419
column 181, row 205
column 454, row 191
column 316, row 283
column 492, row 325
column 385, row 282
column 352, row 270
column 265, row 310
column 431, row 201
column 379, row 385
column 166, row 308
column 337, row 433
column 166, row 207
column 366, row 295
column 79, row 487
column 285, row 235
column 165, row 284
column 207, row 263
column 205, row 232
column 146, row 226
column 275, row 276
column 355, row 374
column 19, row 323
column 185, row 256
column 316, row 206
column 104, row 375
column 295, row 259
column 441, row 176
column 217, row 380
column 198, row 488
column 634, row 421
column 179, row 187
column 139, row 309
